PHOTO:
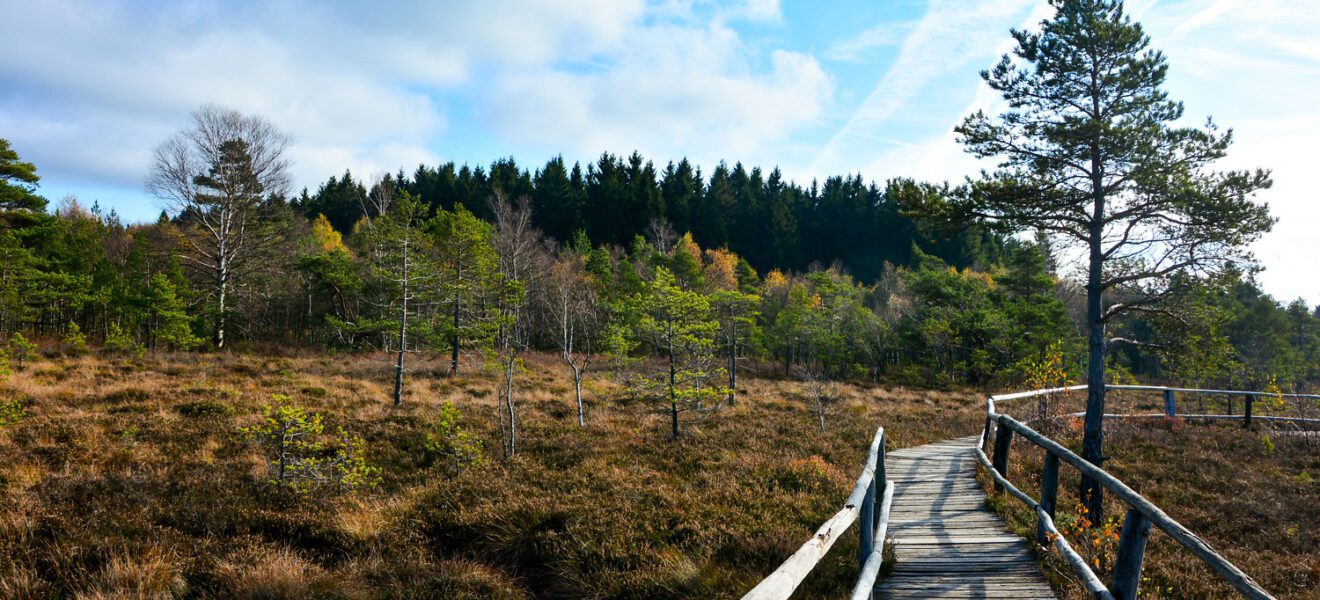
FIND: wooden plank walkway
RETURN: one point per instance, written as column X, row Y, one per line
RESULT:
column 948, row 544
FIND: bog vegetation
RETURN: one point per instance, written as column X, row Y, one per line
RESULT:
column 183, row 474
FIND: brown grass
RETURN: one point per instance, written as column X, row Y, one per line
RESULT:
column 128, row 479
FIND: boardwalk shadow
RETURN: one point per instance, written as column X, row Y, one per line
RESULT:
column 948, row 544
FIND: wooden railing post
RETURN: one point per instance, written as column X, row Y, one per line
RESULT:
column 866, row 526
column 881, row 477
column 1170, row 404
column 1230, row 405
column 1049, row 494
column 1131, row 553
column 1246, row 414
column 1003, row 437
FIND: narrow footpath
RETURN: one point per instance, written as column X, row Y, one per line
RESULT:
column 947, row 542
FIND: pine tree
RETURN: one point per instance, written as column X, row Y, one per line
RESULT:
column 1091, row 153
column 18, row 182
column 468, row 268
column 172, row 326
column 403, row 268
column 678, row 325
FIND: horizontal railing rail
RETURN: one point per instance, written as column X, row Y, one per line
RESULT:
column 862, row 505
column 1142, row 514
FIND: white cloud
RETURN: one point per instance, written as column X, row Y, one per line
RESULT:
column 670, row 90
column 1255, row 67
column 95, row 85
column 1205, row 16
column 854, row 48
column 374, row 87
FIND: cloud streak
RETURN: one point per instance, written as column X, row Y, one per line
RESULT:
column 948, row 35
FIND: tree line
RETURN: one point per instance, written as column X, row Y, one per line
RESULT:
column 234, row 261
column 769, row 221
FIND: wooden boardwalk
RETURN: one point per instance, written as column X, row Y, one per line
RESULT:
column 947, row 542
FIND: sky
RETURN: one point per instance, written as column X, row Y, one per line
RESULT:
column 89, row 87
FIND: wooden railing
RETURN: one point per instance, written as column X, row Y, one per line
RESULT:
column 868, row 504
column 1142, row 514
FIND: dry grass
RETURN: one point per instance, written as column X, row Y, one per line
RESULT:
column 128, row 479
column 1252, row 501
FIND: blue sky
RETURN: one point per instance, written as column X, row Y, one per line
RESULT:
column 89, row 87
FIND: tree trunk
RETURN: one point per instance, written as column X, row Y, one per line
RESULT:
column 403, row 333
column 1090, row 491
column 673, row 398
column 222, row 290
column 577, row 389
column 508, row 399
column 733, row 365
column 453, row 356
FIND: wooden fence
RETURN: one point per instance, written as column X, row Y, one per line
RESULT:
column 1142, row 514
column 868, row 503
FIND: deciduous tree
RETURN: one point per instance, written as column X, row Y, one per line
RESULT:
column 215, row 176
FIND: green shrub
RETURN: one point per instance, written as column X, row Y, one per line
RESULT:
column 11, row 410
column 451, row 443
column 75, row 343
column 119, row 341
column 21, row 350
column 301, row 458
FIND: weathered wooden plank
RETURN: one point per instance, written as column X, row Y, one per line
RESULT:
column 948, row 543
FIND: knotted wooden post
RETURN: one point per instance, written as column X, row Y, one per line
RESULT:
column 1003, row 437
column 1049, row 495
column 1131, row 553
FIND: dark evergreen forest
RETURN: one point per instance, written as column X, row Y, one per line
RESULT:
column 771, row 222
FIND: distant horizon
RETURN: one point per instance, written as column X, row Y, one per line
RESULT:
column 817, row 91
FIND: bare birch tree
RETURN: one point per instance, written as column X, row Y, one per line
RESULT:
column 522, row 261
column 215, row 176
column 573, row 313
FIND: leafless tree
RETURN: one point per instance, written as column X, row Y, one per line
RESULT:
column 572, row 311
column 381, row 197
column 522, row 260
column 216, row 175
column 661, row 234
column 820, row 388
